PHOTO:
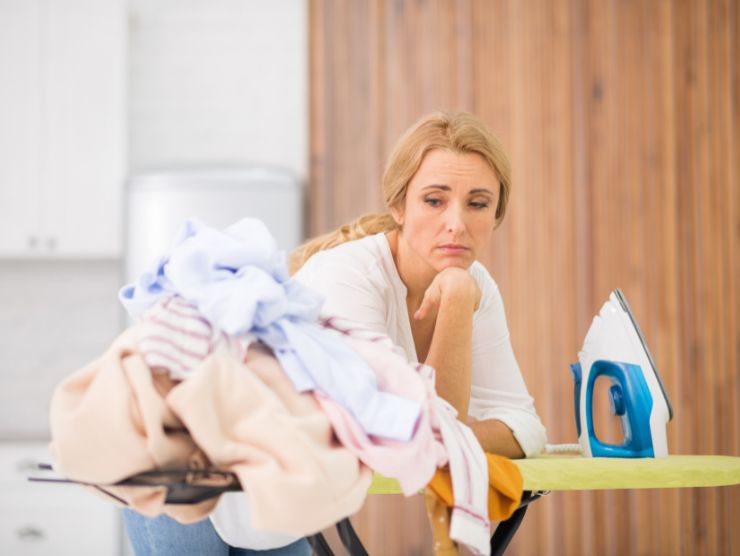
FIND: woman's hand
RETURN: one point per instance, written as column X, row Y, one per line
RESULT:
column 452, row 284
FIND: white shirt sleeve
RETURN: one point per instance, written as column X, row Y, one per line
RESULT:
column 348, row 291
column 498, row 389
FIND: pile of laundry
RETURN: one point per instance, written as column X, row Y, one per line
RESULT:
column 230, row 365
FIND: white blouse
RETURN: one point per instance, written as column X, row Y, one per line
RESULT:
column 361, row 283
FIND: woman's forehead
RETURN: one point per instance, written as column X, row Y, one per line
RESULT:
column 444, row 170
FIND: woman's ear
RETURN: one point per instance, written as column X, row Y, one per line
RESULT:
column 397, row 213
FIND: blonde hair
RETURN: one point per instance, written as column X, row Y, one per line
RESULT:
column 459, row 132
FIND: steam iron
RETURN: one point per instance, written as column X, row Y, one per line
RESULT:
column 615, row 348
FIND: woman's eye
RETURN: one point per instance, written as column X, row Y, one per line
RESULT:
column 433, row 202
column 479, row 204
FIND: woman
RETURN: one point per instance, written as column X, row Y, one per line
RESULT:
column 413, row 274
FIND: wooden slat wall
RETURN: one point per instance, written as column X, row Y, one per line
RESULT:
column 622, row 121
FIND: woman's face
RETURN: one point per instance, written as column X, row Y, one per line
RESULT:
column 449, row 211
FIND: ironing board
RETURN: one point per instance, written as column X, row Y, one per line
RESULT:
column 540, row 475
column 562, row 472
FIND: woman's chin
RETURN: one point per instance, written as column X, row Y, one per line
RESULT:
column 457, row 262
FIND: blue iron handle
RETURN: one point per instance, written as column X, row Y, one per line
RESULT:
column 575, row 370
column 638, row 403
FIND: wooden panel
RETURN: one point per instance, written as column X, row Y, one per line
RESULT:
column 622, row 122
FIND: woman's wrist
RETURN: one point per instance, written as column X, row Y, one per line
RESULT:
column 461, row 296
column 458, row 286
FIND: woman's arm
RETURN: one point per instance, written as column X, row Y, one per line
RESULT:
column 496, row 438
column 451, row 355
column 451, row 349
column 451, row 299
column 476, row 370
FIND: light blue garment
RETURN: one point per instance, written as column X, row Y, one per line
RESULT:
column 239, row 281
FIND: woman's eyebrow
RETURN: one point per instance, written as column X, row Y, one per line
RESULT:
column 441, row 187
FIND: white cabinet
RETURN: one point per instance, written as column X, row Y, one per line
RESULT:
column 20, row 106
column 62, row 127
column 45, row 518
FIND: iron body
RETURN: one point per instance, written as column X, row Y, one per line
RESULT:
column 616, row 349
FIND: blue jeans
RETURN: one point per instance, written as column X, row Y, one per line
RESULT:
column 163, row 536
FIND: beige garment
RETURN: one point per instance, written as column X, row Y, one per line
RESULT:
column 115, row 418
column 109, row 421
column 278, row 442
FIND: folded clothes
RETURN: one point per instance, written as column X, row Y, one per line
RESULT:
column 238, row 281
column 230, row 367
column 116, row 418
column 176, row 338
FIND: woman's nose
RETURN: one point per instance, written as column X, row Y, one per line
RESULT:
column 455, row 220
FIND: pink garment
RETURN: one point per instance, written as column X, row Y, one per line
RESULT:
column 411, row 463
column 439, row 437
column 115, row 418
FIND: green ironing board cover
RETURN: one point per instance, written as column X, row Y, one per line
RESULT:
column 560, row 472
column 580, row 473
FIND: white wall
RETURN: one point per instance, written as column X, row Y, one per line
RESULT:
column 215, row 81
column 54, row 318
column 211, row 81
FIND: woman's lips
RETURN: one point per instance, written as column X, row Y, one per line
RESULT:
column 453, row 248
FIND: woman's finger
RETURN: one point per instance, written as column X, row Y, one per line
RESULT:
column 431, row 298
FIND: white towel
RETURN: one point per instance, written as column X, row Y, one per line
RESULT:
column 469, row 523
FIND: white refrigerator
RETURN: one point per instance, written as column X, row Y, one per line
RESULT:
column 159, row 202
